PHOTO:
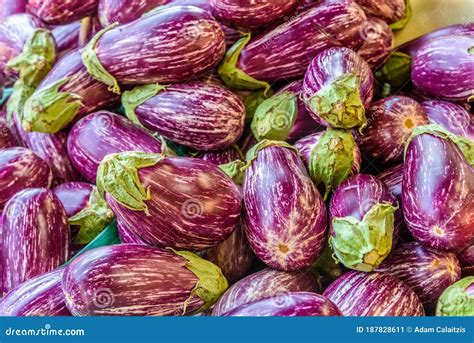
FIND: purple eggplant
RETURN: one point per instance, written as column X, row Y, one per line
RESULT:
column 95, row 136
column 20, row 168
column 393, row 177
column 365, row 222
column 457, row 300
column 390, row 122
column 378, row 42
column 40, row 296
column 196, row 115
column 395, row 12
column 35, row 231
column 56, row 12
column 263, row 284
column 105, row 281
column 427, row 272
column 338, row 87
column 438, row 205
column 288, row 305
column 67, row 37
column 305, row 4
column 125, row 11
column 7, row 139
column 175, row 202
column 128, row 236
column 440, row 72
column 373, row 294
column 10, row 7
column 286, row 235
column 74, row 196
column 466, row 258
column 224, row 156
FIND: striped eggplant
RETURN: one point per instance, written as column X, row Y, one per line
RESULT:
column 338, row 87
column 292, row 304
column 466, row 258
column 305, row 4
column 56, row 12
column 7, row 139
column 378, row 42
column 438, row 205
column 365, row 222
column 128, row 236
column 224, row 156
column 286, row 235
column 432, row 76
column 174, row 202
column 263, row 284
column 250, row 15
column 286, row 51
column 74, row 196
column 103, row 133
column 458, row 299
column 67, row 37
column 390, row 122
column 137, row 280
column 112, row 59
column 395, row 12
column 35, row 236
column 41, row 296
column 20, row 168
column 125, row 11
column 373, row 294
column 393, row 177
column 10, row 7
column 197, row 115
column 428, row 272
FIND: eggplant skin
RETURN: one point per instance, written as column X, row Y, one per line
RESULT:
column 466, row 258
column 40, row 296
column 128, row 236
column 124, row 11
column 373, row 294
column 10, row 7
column 56, row 12
column 74, row 196
column 388, row 10
column 378, row 43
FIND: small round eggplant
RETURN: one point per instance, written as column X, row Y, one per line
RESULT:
column 125, row 11
column 378, row 42
column 458, row 299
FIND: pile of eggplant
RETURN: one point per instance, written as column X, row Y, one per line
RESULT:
column 234, row 158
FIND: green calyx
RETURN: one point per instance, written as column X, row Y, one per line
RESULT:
column 48, row 110
column 234, row 170
column 275, row 117
column 92, row 219
column 363, row 245
column 458, row 299
column 339, row 103
column 252, row 101
column 136, row 97
column 326, row 264
column 464, row 144
column 118, row 176
column 332, row 158
column 235, row 77
column 16, row 102
column 211, row 282
column 400, row 24
column 253, row 152
column 395, row 73
column 94, row 66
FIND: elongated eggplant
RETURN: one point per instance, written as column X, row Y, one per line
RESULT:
column 395, row 12
column 393, row 177
column 7, row 139
column 40, row 296
column 128, row 236
column 35, row 232
column 67, row 37
column 378, row 42
column 10, row 7
column 457, row 299
column 338, row 87
column 466, row 258
column 196, row 115
column 95, row 136
column 106, row 281
column 286, row 235
column 62, row 12
column 224, row 156
column 74, row 196
column 125, row 11
column 263, row 284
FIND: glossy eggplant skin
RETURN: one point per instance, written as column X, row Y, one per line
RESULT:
column 128, row 236
column 56, row 12
column 10, row 7
column 390, row 11
column 378, row 42
column 393, row 178
column 67, row 37
column 223, row 156
column 73, row 195
column 125, row 11
column 466, row 258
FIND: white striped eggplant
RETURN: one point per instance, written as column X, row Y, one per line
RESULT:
column 338, row 88
column 438, row 205
column 395, row 12
column 125, row 11
column 428, row 272
column 177, row 202
column 305, row 4
column 36, row 233
column 290, row 234
column 41, row 296
column 56, row 12
column 365, row 222
column 137, row 280
column 466, row 258
column 390, row 122
column 285, row 51
column 111, row 57
column 128, row 236
column 197, row 115
column 379, row 41
column 292, row 304
column 457, row 300
column 263, row 284
column 73, row 195
column 67, row 37
column 373, row 294
column 20, row 168
column 393, row 177
column 224, row 156
column 103, row 133
column 10, row 7
column 7, row 139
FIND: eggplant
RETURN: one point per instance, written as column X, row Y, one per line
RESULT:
column 224, row 156
column 41, row 296
column 125, row 11
column 373, row 294
column 20, row 168
column 305, row 4
column 286, row 235
column 457, row 299
column 174, row 202
column 365, row 222
column 56, row 12
column 428, row 272
column 466, row 258
column 67, row 37
column 378, row 42
column 250, row 15
column 112, row 59
column 7, row 139
column 263, row 284
column 300, row 304
column 286, row 51
column 74, row 196
column 390, row 122
column 393, row 177
column 35, row 231
column 128, row 236
column 105, row 281
column 95, row 136
column 196, row 115
column 395, row 12
column 338, row 87
column 10, row 7
column 437, row 192
column 440, row 72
